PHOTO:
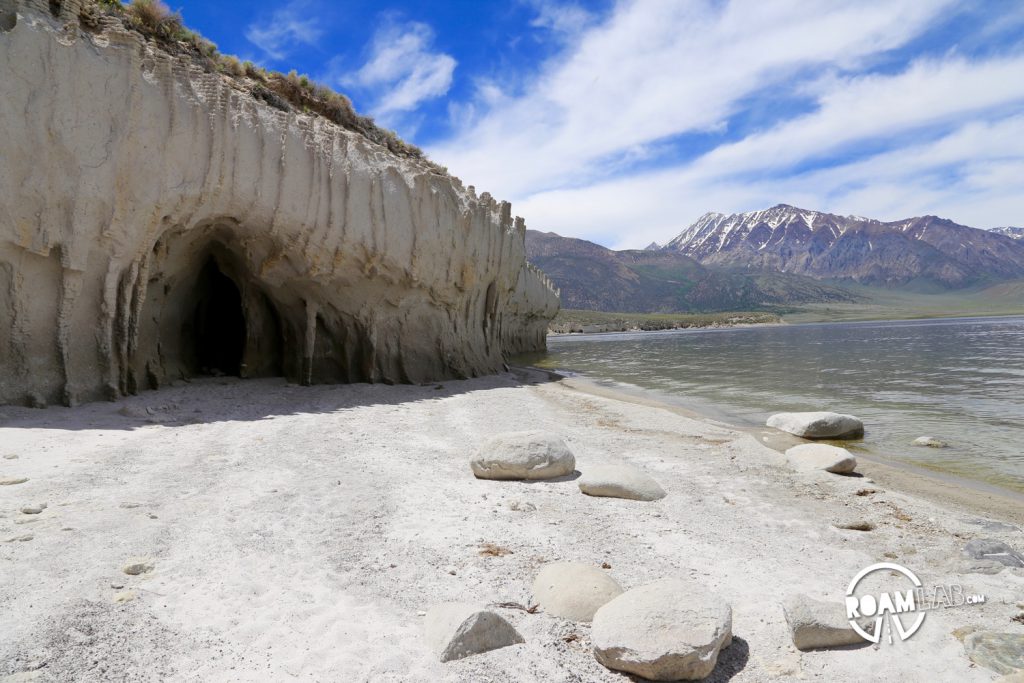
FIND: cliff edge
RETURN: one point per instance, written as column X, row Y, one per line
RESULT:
column 158, row 222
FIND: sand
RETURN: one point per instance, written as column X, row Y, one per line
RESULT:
column 300, row 533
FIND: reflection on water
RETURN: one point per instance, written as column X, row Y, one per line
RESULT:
column 959, row 380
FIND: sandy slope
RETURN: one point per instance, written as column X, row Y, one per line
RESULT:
column 299, row 533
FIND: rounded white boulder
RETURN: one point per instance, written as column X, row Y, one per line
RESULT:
column 523, row 455
column 818, row 425
column 818, row 456
column 455, row 630
column 619, row 481
column 573, row 590
column 669, row 630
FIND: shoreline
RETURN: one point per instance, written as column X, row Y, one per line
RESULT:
column 935, row 485
column 303, row 532
column 784, row 323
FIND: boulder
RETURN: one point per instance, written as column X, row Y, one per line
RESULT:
column 929, row 442
column 818, row 425
column 455, row 630
column 669, row 630
column 815, row 624
column 523, row 455
column 817, row 456
column 999, row 652
column 619, row 481
column 573, row 590
column 987, row 549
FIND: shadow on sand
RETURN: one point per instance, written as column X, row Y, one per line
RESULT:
column 230, row 399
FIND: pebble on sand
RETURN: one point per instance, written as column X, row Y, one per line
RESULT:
column 455, row 630
column 136, row 567
column 11, row 481
column 33, row 509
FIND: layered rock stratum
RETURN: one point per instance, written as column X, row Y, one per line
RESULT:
column 157, row 222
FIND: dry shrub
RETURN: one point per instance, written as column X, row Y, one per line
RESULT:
column 492, row 550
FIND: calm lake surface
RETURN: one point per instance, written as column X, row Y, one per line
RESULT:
column 960, row 380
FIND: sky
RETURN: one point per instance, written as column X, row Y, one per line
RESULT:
column 624, row 121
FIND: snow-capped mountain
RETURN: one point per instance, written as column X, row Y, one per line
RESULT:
column 925, row 250
column 1013, row 233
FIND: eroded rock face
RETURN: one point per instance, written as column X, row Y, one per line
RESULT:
column 156, row 221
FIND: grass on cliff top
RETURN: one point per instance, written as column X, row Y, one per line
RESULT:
column 287, row 92
column 574, row 321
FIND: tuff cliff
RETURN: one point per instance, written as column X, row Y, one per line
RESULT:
column 157, row 222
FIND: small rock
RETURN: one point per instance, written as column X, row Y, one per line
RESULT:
column 117, row 586
column 620, row 481
column 855, row 525
column 129, row 505
column 33, row 509
column 973, row 566
column 36, row 400
column 573, row 590
column 523, row 455
column 450, row 570
column 987, row 549
column 815, row 624
column 125, row 596
column 20, row 539
column 10, row 456
column 665, row 631
column 456, row 630
column 815, row 456
column 136, row 567
column 11, row 481
column 929, row 442
column 1000, row 652
column 818, row 425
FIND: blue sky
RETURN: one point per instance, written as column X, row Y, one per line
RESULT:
column 624, row 121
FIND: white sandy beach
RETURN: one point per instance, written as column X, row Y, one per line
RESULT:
column 300, row 533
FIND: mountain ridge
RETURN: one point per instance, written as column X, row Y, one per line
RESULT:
column 920, row 251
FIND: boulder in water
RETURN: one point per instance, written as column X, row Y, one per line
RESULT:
column 818, row 425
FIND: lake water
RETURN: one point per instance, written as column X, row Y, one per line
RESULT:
column 960, row 380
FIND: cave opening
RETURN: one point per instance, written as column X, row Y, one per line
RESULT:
column 218, row 329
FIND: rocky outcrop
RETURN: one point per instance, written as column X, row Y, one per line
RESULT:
column 157, row 221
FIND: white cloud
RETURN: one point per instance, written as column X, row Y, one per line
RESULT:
column 658, row 68
column 295, row 23
column 932, row 137
column 560, row 17
column 403, row 70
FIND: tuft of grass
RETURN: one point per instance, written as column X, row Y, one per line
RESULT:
column 287, row 92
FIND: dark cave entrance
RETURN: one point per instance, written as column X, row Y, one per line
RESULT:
column 218, row 323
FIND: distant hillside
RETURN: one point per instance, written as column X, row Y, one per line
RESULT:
column 922, row 253
column 592, row 277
